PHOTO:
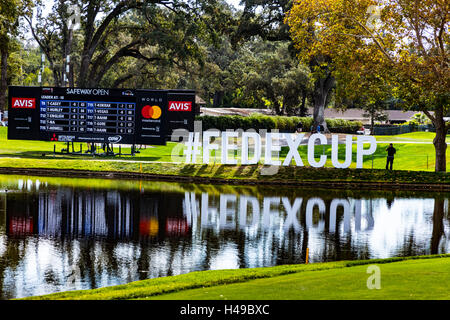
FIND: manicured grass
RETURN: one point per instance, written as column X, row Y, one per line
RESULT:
column 423, row 277
column 35, row 150
column 403, row 280
column 419, row 136
column 158, row 160
column 416, row 157
column 241, row 174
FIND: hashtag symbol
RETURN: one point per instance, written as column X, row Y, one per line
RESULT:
column 193, row 147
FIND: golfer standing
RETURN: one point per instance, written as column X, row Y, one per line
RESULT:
column 390, row 157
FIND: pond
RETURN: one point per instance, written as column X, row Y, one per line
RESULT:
column 65, row 234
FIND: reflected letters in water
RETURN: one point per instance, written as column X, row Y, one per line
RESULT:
column 65, row 237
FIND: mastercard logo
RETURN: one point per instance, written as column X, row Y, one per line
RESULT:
column 151, row 112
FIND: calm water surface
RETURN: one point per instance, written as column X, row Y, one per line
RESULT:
column 67, row 234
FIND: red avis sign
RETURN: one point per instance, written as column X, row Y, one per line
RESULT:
column 24, row 103
column 180, row 105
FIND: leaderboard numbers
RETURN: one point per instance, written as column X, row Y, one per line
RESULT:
column 87, row 117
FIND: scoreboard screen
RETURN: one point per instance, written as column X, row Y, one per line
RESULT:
column 74, row 116
column 90, row 115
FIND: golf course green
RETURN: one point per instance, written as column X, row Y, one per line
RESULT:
column 423, row 277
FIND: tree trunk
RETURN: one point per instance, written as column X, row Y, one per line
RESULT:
column 58, row 80
column 372, row 122
column 218, row 99
column 287, row 108
column 439, row 141
column 438, row 225
column 303, row 110
column 121, row 80
column 322, row 89
column 3, row 79
column 277, row 107
column 89, row 30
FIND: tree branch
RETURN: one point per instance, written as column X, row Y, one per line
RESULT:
column 126, row 51
column 122, row 80
column 119, row 9
column 46, row 49
column 429, row 115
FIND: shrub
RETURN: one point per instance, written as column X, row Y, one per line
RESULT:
column 307, row 123
column 343, row 126
column 282, row 123
column 259, row 121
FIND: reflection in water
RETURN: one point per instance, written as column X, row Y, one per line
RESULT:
column 55, row 238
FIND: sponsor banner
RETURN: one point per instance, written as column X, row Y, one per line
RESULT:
column 63, row 138
column 181, row 111
column 24, row 103
column 180, row 106
column 114, row 139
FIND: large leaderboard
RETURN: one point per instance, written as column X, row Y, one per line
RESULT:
column 92, row 115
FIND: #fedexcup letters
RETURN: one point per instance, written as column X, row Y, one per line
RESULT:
column 201, row 147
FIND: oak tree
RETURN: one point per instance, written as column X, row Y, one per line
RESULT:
column 153, row 31
column 10, row 13
column 402, row 43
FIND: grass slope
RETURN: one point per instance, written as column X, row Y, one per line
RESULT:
column 419, row 136
column 241, row 174
column 403, row 280
column 424, row 277
column 411, row 160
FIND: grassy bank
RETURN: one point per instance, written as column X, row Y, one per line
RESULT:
column 225, row 173
column 416, row 156
column 414, row 164
column 424, row 277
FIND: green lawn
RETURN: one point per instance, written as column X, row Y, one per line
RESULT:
column 416, row 157
column 158, row 160
column 402, row 280
column 424, row 277
column 419, row 136
column 35, row 149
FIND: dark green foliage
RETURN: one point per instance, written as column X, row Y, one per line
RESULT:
column 343, row 126
column 282, row 123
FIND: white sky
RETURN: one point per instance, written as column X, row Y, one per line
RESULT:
column 235, row 3
column 49, row 3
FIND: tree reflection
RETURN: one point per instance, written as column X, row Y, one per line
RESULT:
column 79, row 238
column 438, row 225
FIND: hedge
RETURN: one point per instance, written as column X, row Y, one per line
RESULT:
column 282, row 123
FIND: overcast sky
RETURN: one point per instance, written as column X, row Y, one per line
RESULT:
column 235, row 3
column 49, row 3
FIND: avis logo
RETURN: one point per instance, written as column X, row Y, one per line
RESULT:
column 180, row 105
column 25, row 103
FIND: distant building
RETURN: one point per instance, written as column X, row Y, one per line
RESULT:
column 199, row 101
column 394, row 116
column 233, row 111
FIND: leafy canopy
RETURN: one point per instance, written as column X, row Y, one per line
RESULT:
column 376, row 45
